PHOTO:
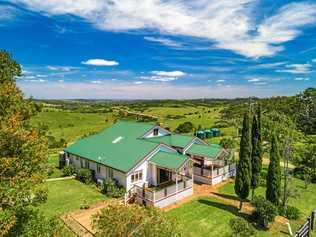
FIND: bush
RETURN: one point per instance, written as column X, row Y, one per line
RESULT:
column 241, row 228
column 116, row 219
column 69, row 170
column 84, row 175
column 112, row 189
column 263, row 178
column 290, row 212
column 264, row 212
column 185, row 127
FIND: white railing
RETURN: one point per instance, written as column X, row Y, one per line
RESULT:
column 212, row 173
column 155, row 195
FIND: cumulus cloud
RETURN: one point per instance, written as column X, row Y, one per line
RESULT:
column 163, row 76
column 297, row 68
column 100, row 62
column 301, row 79
column 230, row 25
column 169, row 73
column 96, row 82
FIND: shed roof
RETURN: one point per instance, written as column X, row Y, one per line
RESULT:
column 169, row 160
column 210, row 151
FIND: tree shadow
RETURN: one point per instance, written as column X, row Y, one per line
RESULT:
column 227, row 196
column 226, row 207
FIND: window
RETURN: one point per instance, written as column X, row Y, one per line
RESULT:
column 81, row 163
column 77, row 158
column 109, row 173
column 156, row 131
column 98, row 169
column 86, row 164
column 137, row 176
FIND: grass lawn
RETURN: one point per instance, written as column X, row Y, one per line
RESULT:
column 67, row 195
column 53, row 160
column 305, row 200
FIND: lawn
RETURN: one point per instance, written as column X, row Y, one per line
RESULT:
column 53, row 160
column 305, row 200
column 68, row 195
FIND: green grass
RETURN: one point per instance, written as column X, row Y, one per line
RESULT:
column 305, row 200
column 53, row 160
column 67, row 195
column 72, row 125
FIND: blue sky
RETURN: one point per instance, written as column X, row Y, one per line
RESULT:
column 148, row 49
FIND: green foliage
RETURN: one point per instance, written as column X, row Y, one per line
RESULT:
column 273, row 191
column 32, row 223
column 23, row 153
column 264, row 212
column 290, row 212
column 185, row 127
column 111, row 188
column 228, row 143
column 243, row 175
column 53, row 143
column 118, row 220
column 84, row 175
column 241, row 228
column 69, row 170
column 256, row 159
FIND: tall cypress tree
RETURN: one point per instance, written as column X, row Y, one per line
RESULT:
column 273, row 191
column 243, row 175
column 256, row 156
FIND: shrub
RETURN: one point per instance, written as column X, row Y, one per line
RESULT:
column 185, row 127
column 69, row 170
column 263, row 178
column 84, row 205
column 290, row 212
column 112, row 189
column 264, row 212
column 116, row 219
column 241, row 228
column 84, row 175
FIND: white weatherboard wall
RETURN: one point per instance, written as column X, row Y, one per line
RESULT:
column 149, row 173
column 119, row 176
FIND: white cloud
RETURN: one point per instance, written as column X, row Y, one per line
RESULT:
column 169, row 73
column 61, row 81
column 100, row 62
column 314, row 60
column 62, row 68
column 230, row 25
column 220, row 81
column 7, row 13
column 138, row 82
column 164, row 41
column 301, row 79
column 297, row 68
column 255, row 79
column 96, row 82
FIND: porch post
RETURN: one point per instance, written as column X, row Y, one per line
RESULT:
column 176, row 182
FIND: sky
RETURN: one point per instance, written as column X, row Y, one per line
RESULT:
column 157, row 49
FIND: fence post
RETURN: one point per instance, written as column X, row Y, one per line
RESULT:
column 313, row 219
column 309, row 226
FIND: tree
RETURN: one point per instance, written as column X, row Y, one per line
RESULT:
column 23, row 151
column 243, row 175
column 133, row 220
column 256, row 154
column 273, row 190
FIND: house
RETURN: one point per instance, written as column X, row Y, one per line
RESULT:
column 150, row 162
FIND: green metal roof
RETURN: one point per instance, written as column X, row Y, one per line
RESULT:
column 117, row 147
column 210, row 151
column 172, row 140
column 169, row 160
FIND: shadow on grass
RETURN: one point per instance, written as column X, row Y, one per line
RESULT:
column 226, row 207
column 227, row 196
column 232, row 209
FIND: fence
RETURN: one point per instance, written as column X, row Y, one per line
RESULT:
column 307, row 227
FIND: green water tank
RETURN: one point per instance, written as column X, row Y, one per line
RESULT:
column 208, row 133
column 216, row 132
column 200, row 134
